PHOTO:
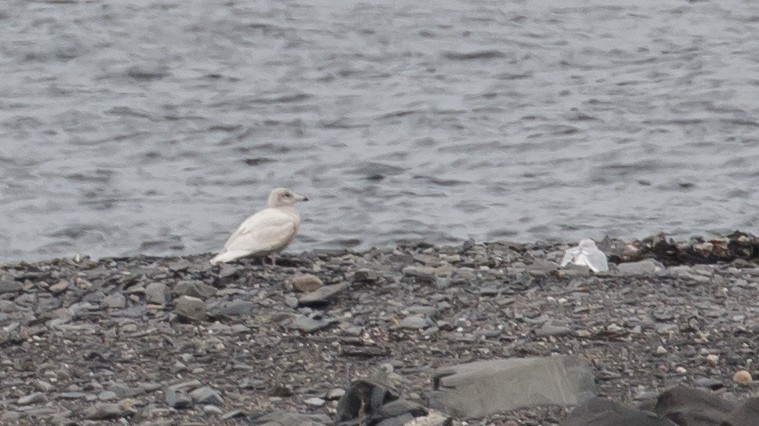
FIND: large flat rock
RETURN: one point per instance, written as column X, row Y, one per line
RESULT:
column 486, row 387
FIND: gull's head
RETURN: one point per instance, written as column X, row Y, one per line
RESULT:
column 281, row 197
column 587, row 243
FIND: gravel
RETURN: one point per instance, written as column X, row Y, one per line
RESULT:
column 173, row 340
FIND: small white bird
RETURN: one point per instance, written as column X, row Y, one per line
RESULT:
column 266, row 232
column 586, row 254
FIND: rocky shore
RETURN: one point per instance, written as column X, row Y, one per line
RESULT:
column 148, row 340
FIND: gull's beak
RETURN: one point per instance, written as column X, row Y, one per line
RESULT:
column 300, row 197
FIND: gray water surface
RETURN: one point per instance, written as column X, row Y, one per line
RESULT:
column 155, row 127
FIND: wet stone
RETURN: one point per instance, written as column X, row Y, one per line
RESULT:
column 177, row 399
column 486, row 387
column 643, row 267
column 158, row 293
column 415, row 322
column 315, row 402
column 35, row 398
column 9, row 286
column 283, row 418
column 232, row 308
column 206, row 395
column 306, row 283
column 194, row 289
column 323, row 295
column 115, row 300
column 59, row 287
column 103, row 411
column 107, row 396
column 310, row 325
column 190, row 308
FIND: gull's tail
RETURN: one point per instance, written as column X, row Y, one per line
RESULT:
column 228, row 256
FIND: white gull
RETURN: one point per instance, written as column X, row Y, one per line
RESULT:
column 266, row 232
column 586, row 254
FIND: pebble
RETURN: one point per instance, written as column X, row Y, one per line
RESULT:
column 43, row 386
column 177, row 399
column 61, row 286
column 115, row 300
column 107, row 396
column 415, row 322
column 35, row 398
column 306, row 283
column 315, row 402
column 194, row 289
column 206, row 395
column 158, row 293
column 334, row 394
column 322, row 295
column 190, row 308
column 743, row 377
column 9, row 286
column 103, row 411
column 712, row 359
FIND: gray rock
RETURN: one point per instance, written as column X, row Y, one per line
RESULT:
column 72, row 395
column 206, row 395
column 692, row 407
column 549, row 329
column 177, row 399
column 60, row 287
column 336, row 393
column 643, row 267
column 35, row 398
column 134, row 311
column 212, row 409
column 396, row 421
column 193, row 289
column 123, row 391
column 486, row 387
column 190, row 308
column 306, row 283
column 103, row 411
column 43, row 386
column 323, row 295
column 158, row 293
column 309, row 325
column 231, row 308
column 115, row 300
column 745, row 415
column 282, row 418
column 107, row 396
column 424, row 274
column 602, row 412
column 9, row 286
column 400, row 407
column 233, row 414
column 315, row 402
column 415, row 322
column 434, row 418
column 7, row 306
column 366, row 276
column 364, row 398
column 186, row 385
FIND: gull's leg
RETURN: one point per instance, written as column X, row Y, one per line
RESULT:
column 270, row 257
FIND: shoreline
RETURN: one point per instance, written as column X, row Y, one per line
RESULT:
column 139, row 335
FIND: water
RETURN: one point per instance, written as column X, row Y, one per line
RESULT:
column 156, row 127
